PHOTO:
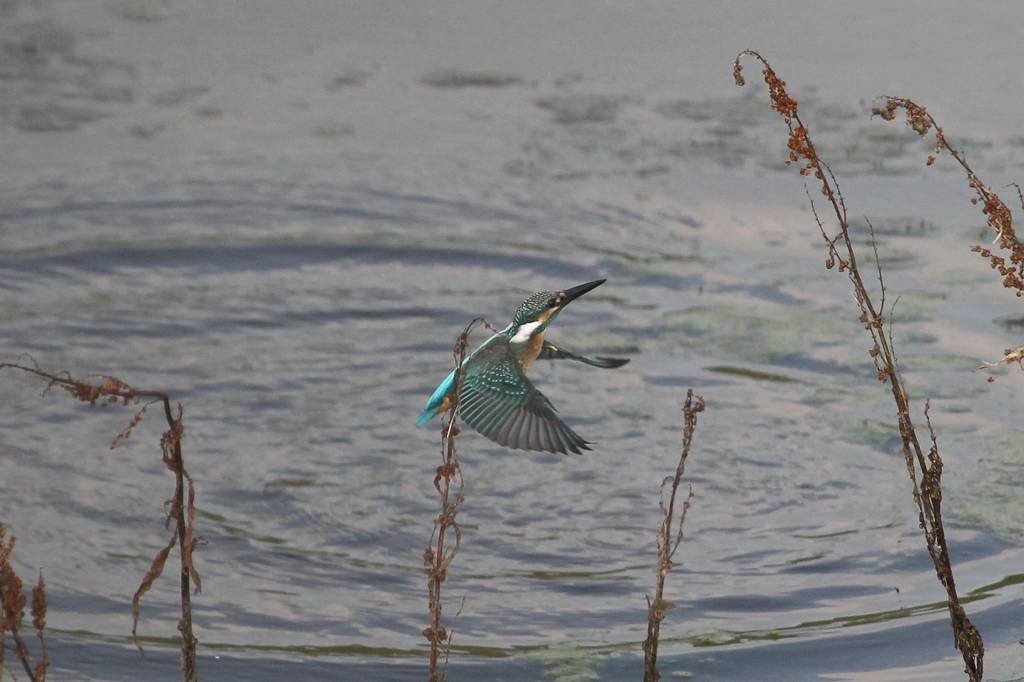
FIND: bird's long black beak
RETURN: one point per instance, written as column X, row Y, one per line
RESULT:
column 575, row 292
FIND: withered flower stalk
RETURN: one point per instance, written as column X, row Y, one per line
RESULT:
column 12, row 613
column 997, row 214
column 111, row 390
column 668, row 542
column 926, row 466
column 438, row 557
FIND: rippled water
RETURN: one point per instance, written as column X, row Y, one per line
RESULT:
column 284, row 213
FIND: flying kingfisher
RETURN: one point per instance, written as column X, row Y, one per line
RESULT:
column 497, row 399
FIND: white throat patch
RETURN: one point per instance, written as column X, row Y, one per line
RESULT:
column 525, row 332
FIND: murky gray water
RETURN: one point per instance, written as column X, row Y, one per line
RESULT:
column 283, row 213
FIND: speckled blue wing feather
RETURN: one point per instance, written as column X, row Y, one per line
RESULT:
column 435, row 403
column 503, row 405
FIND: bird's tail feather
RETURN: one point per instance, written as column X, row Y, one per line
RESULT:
column 436, row 401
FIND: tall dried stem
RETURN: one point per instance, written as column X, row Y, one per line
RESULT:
column 997, row 214
column 113, row 390
column 12, row 613
column 668, row 542
column 438, row 557
column 927, row 493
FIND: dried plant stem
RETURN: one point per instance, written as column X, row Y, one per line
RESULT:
column 39, row 607
column 997, row 214
column 184, row 531
column 21, row 649
column 438, row 557
column 668, row 542
column 113, row 390
column 12, row 612
column 928, row 494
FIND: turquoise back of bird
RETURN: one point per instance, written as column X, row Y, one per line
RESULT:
column 436, row 400
column 435, row 403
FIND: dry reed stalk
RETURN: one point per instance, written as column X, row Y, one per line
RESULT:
column 438, row 557
column 997, row 214
column 112, row 391
column 928, row 494
column 12, row 613
column 668, row 542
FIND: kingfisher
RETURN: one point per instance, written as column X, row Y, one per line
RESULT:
column 497, row 399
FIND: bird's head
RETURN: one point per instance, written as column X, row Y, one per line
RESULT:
column 536, row 313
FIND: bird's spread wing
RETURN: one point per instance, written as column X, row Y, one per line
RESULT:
column 438, row 401
column 550, row 351
column 499, row 401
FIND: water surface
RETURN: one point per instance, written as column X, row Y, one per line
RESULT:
column 284, row 213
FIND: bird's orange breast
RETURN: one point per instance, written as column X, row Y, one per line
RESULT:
column 532, row 351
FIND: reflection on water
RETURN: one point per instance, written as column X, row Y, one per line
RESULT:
column 287, row 234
